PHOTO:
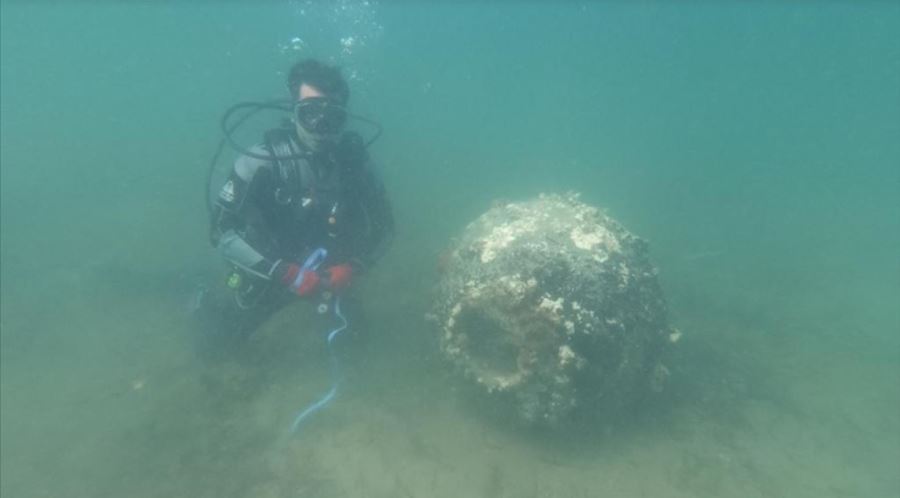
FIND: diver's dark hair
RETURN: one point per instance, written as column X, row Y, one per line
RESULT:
column 326, row 78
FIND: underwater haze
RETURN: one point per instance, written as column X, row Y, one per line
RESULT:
column 755, row 145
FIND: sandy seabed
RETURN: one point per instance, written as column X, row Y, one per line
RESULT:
column 103, row 403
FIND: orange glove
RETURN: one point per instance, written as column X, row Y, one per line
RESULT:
column 339, row 276
column 302, row 282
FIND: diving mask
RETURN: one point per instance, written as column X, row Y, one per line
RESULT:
column 320, row 115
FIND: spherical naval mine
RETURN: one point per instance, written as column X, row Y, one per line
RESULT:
column 550, row 307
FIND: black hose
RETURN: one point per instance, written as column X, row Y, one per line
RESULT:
column 275, row 105
column 378, row 128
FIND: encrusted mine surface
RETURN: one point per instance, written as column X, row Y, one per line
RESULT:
column 550, row 305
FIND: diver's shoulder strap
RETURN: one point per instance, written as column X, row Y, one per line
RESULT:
column 296, row 173
column 351, row 152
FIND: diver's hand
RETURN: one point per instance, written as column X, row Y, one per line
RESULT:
column 339, row 276
column 301, row 282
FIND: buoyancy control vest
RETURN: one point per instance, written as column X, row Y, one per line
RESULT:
column 313, row 192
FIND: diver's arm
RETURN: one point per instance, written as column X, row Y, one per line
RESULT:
column 233, row 218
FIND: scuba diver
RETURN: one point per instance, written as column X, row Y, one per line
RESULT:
column 302, row 213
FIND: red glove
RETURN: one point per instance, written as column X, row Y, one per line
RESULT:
column 302, row 282
column 339, row 276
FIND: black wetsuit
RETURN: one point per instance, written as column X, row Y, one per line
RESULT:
column 273, row 212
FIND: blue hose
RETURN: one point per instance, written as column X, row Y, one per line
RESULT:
column 335, row 371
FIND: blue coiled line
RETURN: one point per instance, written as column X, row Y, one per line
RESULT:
column 312, row 263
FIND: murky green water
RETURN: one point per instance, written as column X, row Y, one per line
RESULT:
column 756, row 146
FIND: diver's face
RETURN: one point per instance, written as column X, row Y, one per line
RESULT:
column 318, row 118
